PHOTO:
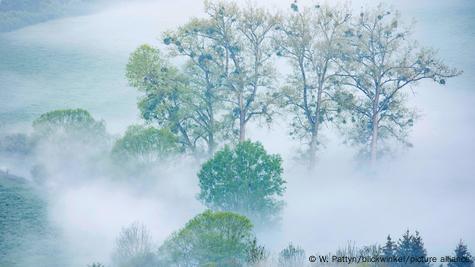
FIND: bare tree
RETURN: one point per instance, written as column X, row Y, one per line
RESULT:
column 380, row 61
column 134, row 247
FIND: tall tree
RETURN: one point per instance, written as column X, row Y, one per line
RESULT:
column 311, row 39
column 381, row 61
column 205, row 73
column 242, row 37
column 462, row 257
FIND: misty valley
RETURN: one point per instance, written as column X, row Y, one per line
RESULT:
column 236, row 133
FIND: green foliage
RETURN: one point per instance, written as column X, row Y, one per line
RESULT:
column 168, row 98
column 244, row 179
column 236, row 50
column 209, row 239
column 134, row 247
column 462, row 257
column 69, row 125
column 144, row 145
column 292, row 256
column 205, row 74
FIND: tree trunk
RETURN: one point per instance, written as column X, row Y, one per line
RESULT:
column 242, row 129
column 211, row 144
column 316, row 124
column 242, row 120
column 211, row 130
column 375, row 128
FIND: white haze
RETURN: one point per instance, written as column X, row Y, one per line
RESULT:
column 429, row 187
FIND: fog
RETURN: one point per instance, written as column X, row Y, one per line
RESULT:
column 79, row 62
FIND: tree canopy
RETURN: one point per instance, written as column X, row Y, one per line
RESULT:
column 145, row 145
column 69, row 124
column 244, row 179
column 209, row 239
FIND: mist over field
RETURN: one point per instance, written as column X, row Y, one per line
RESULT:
column 80, row 62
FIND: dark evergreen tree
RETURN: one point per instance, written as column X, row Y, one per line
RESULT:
column 390, row 248
column 462, row 257
column 412, row 246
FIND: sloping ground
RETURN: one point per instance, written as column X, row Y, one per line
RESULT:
column 15, row 14
column 26, row 239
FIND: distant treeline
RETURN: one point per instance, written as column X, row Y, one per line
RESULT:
column 15, row 14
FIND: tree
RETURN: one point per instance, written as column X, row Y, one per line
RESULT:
column 311, row 39
column 412, row 246
column 462, row 257
column 244, row 179
column 389, row 250
column 256, row 254
column 209, row 239
column 167, row 94
column 292, row 256
column 381, row 61
column 205, row 73
column 69, row 125
column 134, row 247
column 144, row 145
column 241, row 38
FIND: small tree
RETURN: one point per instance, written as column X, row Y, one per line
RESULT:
column 209, row 239
column 462, row 257
column 257, row 254
column 244, row 179
column 292, row 256
column 134, row 247
column 144, row 145
column 389, row 249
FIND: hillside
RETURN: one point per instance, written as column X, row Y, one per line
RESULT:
column 15, row 14
column 26, row 238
